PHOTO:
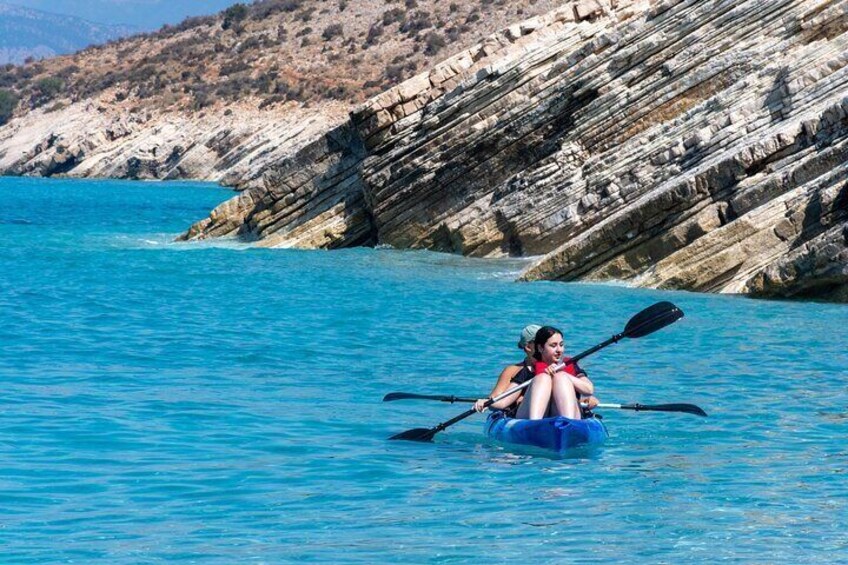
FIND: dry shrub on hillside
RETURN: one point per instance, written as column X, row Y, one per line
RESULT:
column 267, row 52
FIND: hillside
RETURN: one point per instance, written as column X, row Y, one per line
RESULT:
column 144, row 15
column 222, row 97
column 27, row 33
column 273, row 51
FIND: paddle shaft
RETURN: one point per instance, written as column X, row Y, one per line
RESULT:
column 438, row 428
column 645, row 322
column 488, row 403
column 678, row 407
column 412, row 396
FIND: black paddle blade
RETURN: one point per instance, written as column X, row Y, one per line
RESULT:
column 652, row 319
column 687, row 408
column 396, row 396
column 416, row 434
column 411, row 396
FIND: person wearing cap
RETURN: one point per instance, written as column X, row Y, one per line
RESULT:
column 519, row 373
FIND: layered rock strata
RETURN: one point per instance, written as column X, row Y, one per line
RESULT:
column 679, row 144
column 102, row 138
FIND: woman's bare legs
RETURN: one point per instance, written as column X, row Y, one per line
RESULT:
column 564, row 398
column 536, row 400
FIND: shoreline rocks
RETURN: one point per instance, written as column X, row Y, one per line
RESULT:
column 698, row 145
column 682, row 145
column 85, row 139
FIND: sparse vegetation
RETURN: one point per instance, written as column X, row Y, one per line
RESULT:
column 8, row 103
column 434, row 42
column 234, row 15
column 331, row 31
column 47, row 89
column 395, row 15
column 265, row 51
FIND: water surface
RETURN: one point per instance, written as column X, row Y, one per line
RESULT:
column 214, row 403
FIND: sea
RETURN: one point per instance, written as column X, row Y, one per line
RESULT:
column 213, row 402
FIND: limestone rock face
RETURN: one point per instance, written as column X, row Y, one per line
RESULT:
column 692, row 144
column 94, row 139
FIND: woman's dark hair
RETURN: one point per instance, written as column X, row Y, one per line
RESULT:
column 542, row 337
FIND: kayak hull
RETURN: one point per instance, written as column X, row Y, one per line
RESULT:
column 556, row 434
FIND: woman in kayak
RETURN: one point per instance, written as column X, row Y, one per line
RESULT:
column 519, row 373
column 555, row 389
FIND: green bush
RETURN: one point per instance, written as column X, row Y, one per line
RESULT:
column 331, row 31
column 50, row 86
column 393, row 15
column 394, row 73
column 56, row 107
column 233, row 15
column 306, row 15
column 434, row 43
column 8, row 103
column 291, row 5
column 418, row 22
column 233, row 67
column 375, row 31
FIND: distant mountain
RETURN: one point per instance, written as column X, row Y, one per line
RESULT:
column 25, row 32
column 144, row 15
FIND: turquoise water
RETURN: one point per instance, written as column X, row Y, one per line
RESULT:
column 211, row 403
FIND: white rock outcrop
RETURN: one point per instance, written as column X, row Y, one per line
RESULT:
column 690, row 144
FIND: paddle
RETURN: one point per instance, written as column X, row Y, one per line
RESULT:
column 408, row 395
column 687, row 408
column 645, row 322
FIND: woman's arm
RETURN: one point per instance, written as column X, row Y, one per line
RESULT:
column 582, row 384
column 501, row 387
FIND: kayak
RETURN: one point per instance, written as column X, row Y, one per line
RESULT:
column 558, row 434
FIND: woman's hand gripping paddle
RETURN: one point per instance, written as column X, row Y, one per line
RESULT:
column 645, row 322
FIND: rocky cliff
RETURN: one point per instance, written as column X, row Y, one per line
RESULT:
column 680, row 144
column 91, row 139
column 695, row 145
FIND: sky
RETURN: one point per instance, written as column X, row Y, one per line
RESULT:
column 146, row 15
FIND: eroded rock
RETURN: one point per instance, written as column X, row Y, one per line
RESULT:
column 691, row 145
column 672, row 144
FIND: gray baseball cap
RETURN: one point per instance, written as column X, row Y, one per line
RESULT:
column 528, row 334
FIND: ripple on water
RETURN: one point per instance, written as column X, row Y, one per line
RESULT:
column 183, row 402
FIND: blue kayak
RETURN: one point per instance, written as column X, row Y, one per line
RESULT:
column 557, row 434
